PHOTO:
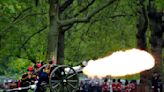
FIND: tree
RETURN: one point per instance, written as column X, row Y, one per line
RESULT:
column 156, row 41
column 59, row 26
column 24, row 31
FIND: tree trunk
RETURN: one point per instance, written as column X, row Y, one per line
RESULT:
column 142, row 28
column 60, row 52
column 156, row 41
column 53, row 32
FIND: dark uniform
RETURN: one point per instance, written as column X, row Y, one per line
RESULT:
column 43, row 80
column 24, row 82
column 26, row 79
column 157, row 84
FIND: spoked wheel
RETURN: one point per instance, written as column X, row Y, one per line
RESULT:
column 63, row 79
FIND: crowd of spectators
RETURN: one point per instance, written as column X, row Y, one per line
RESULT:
column 107, row 85
column 119, row 85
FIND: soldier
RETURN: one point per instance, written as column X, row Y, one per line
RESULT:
column 35, row 73
column 127, row 86
column 132, row 86
column 43, row 79
column 26, row 79
column 105, row 86
column 118, row 86
column 113, row 85
column 37, row 66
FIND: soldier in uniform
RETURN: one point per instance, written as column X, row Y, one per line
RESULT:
column 26, row 79
column 43, row 79
column 105, row 86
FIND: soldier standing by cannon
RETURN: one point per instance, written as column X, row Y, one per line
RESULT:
column 26, row 79
column 43, row 78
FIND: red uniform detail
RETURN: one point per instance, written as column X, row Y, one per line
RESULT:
column 118, row 86
column 113, row 86
column 30, row 68
column 127, row 88
column 19, row 83
column 132, row 86
column 105, row 87
column 38, row 65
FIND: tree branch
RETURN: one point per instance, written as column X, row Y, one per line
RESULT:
column 112, row 17
column 120, row 15
column 17, row 21
column 85, row 8
column 21, row 13
column 65, row 28
column 32, row 14
column 88, row 17
column 33, row 35
column 76, row 50
column 65, row 5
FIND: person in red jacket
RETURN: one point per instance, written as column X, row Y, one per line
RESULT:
column 127, row 86
column 116, row 86
column 105, row 86
column 132, row 86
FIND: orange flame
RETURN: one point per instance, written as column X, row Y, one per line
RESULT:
column 120, row 63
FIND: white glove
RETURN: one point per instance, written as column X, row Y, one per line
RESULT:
column 32, row 86
column 152, row 86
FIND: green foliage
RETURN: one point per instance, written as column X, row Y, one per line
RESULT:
column 101, row 38
column 160, row 5
column 19, row 20
column 17, row 66
column 132, row 77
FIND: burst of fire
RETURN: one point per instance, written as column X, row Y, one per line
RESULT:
column 120, row 63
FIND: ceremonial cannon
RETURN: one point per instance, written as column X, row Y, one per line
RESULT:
column 63, row 78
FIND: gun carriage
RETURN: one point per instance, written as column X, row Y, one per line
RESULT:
column 63, row 78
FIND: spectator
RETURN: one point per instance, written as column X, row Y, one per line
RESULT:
column 160, row 84
column 96, row 86
column 155, row 81
column 81, row 86
column 86, row 86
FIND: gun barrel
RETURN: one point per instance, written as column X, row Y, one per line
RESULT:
column 78, row 68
